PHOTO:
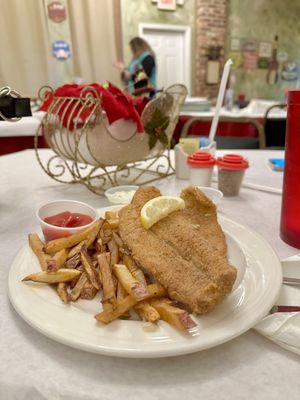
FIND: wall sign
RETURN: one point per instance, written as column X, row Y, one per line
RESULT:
column 235, row 44
column 282, row 56
column 250, row 61
column 212, row 72
column 166, row 5
column 249, row 45
column 61, row 50
column 57, row 11
column 263, row 63
column 265, row 49
column 289, row 71
column 178, row 2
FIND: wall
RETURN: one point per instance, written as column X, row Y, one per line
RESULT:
column 210, row 31
column 213, row 22
column 262, row 20
column 136, row 11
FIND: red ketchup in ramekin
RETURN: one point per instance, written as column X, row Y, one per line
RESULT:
column 63, row 218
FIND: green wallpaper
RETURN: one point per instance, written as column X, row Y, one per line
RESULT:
column 136, row 11
column 252, row 19
column 262, row 20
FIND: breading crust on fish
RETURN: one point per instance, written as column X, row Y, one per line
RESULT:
column 185, row 252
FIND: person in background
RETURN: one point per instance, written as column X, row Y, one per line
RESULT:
column 140, row 75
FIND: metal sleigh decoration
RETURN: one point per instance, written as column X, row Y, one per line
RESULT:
column 99, row 155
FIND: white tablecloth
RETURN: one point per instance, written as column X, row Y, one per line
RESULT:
column 27, row 126
column 34, row 367
column 256, row 109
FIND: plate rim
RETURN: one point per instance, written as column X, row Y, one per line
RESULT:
column 150, row 353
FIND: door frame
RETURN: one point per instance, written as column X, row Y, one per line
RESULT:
column 186, row 30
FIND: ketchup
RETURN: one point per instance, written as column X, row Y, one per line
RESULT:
column 67, row 219
column 64, row 219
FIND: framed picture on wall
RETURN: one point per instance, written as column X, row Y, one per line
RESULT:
column 265, row 49
column 166, row 5
column 235, row 44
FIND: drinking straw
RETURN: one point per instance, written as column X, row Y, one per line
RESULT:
column 214, row 125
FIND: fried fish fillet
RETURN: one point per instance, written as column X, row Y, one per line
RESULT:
column 185, row 252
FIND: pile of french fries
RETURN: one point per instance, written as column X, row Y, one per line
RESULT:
column 96, row 260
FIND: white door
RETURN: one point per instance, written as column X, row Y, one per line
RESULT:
column 171, row 55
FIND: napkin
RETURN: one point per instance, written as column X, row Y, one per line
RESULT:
column 283, row 328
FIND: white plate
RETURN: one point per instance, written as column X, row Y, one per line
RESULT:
column 74, row 325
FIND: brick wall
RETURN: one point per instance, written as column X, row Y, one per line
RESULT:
column 210, row 30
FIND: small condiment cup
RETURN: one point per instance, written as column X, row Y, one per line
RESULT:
column 55, row 207
column 231, row 171
column 201, row 166
column 121, row 194
column 213, row 194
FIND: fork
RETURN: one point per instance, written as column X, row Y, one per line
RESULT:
column 291, row 281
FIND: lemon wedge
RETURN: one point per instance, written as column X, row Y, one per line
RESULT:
column 158, row 208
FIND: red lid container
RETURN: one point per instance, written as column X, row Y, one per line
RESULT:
column 233, row 162
column 201, row 159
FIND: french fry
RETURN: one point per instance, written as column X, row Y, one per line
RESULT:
column 111, row 215
column 73, row 282
column 143, row 308
column 121, row 294
column 73, row 262
column 118, row 240
column 88, row 241
column 173, row 315
column 37, row 247
column 132, row 286
column 57, row 261
column 76, row 249
column 114, row 223
column 88, row 292
column 109, row 300
column 114, row 251
column 134, row 270
column 105, row 233
column 100, row 247
column 62, row 275
column 89, row 268
column 56, row 245
column 108, row 256
column 76, row 291
column 146, row 312
column 154, row 290
column 63, row 292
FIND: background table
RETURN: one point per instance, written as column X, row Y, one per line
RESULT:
column 34, row 367
column 274, row 126
column 20, row 135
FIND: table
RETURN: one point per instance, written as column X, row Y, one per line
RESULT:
column 256, row 111
column 17, row 136
column 34, row 367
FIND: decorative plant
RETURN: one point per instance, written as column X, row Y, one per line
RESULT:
column 156, row 128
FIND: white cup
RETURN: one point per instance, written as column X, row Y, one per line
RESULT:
column 58, row 206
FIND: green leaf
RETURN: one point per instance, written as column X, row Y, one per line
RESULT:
column 165, row 123
column 156, row 114
column 158, row 120
column 152, row 141
column 163, row 138
column 149, row 126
